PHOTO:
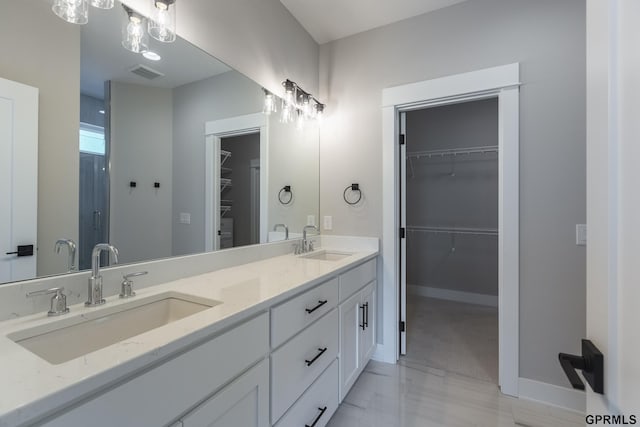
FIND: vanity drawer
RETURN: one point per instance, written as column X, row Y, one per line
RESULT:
column 319, row 402
column 289, row 318
column 175, row 386
column 355, row 279
column 296, row 365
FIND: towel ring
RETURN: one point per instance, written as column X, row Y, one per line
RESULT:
column 285, row 189
column 353, row 188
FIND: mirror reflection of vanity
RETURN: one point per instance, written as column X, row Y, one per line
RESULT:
column 145, row 174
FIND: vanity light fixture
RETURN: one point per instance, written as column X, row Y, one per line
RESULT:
column 73, row 11
column 269, row 102
column 162, row 22
column 134, row 37
column 102, row 4
column 299, row 105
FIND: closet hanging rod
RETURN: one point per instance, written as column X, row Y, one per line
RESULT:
column 454, row 151
column 456, row 230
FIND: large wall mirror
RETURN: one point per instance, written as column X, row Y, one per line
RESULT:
column 172, row 153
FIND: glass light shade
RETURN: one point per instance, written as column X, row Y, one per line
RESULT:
column 300, row 120
column 306, row 106
column 269, row 103
column 288, row 111
column 134, row 36
column 74, row 11
column 319, row 113
column 102, row 4
column 162, row 22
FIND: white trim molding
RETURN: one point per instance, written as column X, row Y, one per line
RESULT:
column 451, row 295
column 551, row 394
column 500, row 82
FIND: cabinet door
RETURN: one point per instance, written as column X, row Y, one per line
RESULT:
column 350, row 321
column 244, row 402
column 368, row 334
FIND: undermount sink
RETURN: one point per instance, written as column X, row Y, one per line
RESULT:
column 325, row 255
column 70, row 338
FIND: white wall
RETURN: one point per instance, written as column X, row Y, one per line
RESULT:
column 547, row 37
column 23, row 52
column 293, row 160
column 141, row 151
column 259, row 38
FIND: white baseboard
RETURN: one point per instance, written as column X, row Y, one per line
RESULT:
column 550, row 394
column 446, row 294
column 382, row 354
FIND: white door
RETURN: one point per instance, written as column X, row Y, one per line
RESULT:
column 18, row 180
column 613, row 202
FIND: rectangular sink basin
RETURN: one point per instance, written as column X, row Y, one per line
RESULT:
column 70, row 338
column 325, row 255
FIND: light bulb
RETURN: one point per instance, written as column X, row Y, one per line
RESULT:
column 134, row 37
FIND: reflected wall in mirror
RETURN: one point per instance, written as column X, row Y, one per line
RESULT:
column 123, row 148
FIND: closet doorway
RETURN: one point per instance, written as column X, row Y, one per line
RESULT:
column 449, row 203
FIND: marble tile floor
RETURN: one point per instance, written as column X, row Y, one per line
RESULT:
column 403, row 395
column 447, row 379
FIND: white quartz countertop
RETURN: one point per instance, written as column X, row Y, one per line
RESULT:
column 33, row 388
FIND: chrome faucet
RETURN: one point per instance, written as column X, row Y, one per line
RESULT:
column 306, row 244
column 71, row 252
column 286, row 230
column 95, row 281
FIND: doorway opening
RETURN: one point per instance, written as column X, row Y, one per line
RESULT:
column 239, row 190
column 449, row 204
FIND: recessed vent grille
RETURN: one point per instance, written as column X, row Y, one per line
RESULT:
column 146, row 72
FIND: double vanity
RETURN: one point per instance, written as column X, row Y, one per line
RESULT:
column 274, row 342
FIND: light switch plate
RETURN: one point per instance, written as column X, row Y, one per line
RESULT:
column 328, row 222
column 185, row 218
column 311, row 220
column 581, row 234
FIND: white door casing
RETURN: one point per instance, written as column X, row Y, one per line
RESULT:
column 214, row 132
column 501, row 82
column 613, row 201
column 18, row 178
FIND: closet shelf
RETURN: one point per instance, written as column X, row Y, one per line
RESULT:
column 225, row 183
column 225, row 155
column 453, row 152
column 224, row 210
column 455, row 230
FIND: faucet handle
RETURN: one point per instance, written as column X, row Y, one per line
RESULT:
column 126, row 290
column 58, row 301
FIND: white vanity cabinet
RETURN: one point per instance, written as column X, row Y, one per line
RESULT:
column 162, row 394
column 245, row 402
column 357, row 323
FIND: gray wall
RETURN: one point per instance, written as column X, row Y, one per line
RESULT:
column 40, row 50
column 453, row 192
column 226, row 95
column 547, row 37
column 141, row 151
column 259, row 38
column 243, row 149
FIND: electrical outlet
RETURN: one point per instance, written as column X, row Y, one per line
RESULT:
column 328, row 222
column 185, row 218
column 311, row 220
column 581, row 234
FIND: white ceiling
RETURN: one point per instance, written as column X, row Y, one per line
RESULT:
column 103, row 58
column 328, row 20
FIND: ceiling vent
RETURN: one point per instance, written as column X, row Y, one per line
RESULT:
column 146, row 72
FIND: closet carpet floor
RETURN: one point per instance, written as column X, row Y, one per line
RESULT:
column 431, row 387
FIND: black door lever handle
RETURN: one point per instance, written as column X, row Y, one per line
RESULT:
column 590, row 363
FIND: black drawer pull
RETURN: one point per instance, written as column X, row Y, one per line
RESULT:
column 310, row 362
column 364, row 323
column 320, row 304
column 366, row 316
column 322, row 411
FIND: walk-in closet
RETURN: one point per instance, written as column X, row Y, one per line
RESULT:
column 451, row 208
